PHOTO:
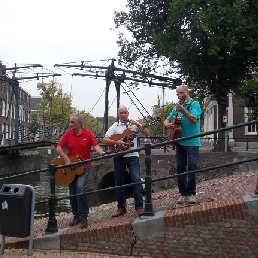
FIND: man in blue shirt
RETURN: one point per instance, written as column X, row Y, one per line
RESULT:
column 187, row 152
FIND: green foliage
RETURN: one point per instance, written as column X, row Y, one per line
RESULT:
column 212, row 44
column 56, row 106
column 247, row 94
column 111, row 120
column 34, row 125
column 91, row 122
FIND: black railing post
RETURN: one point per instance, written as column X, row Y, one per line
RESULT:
column 148, row 211
column 247, row 147
column 255, row 194
column 52, row 222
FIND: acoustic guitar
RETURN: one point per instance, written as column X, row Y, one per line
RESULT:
column 127, row 136
column 66, row 175
column 174, row 133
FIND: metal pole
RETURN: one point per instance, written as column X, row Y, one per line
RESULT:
column 162, row 125
column 255, row 194
column 16, row 95
column 117, row 85
column 52, row 222
column 3, row 244
column 148, row 210
column 226, row 141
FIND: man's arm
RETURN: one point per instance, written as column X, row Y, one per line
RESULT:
column 193, row 119
column 61, row 153
column 99, row 150
column 145, row 131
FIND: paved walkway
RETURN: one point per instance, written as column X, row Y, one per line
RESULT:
column 22, row 253
column 212, row 190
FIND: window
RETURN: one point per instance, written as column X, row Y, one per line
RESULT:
column 250, row 129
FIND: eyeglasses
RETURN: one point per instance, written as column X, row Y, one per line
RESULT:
column 180, row 93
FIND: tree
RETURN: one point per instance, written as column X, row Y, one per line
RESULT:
column 34, row 125
column 111, row 120
column 91, row 122
column 212, row 44
column 56, row 106
column 247, row 94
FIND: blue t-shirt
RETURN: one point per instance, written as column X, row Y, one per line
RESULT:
column 188, row 128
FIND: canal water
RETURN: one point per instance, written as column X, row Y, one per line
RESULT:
column 40, row 182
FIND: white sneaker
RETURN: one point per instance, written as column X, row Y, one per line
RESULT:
column 182, row 199
column 192, row 199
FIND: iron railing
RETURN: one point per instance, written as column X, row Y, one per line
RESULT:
column 148, row 210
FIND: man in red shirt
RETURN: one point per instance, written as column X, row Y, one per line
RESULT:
column 78, row 141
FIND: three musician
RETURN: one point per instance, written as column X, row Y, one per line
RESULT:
column 130, row 160
column 78, row 141
column 187, row 151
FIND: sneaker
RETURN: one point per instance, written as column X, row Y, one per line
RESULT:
column 192, row 199
column 75, row 222
column 182, row 199
column 84, row 222
column 139, row 212
column 119, row 213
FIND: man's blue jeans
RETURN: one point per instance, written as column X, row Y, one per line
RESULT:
column 79, row 205
column 187, row 155
column 132, row 163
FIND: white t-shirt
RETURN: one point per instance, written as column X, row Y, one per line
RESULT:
column 119, row 128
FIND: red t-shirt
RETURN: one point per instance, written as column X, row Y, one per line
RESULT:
column 80, row 144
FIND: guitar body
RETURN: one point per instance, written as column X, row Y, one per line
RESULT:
column 66, row 175
column 173, row 134
column 116, row 137
column 128, row 137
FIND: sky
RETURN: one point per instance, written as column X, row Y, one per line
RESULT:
column 57, row 32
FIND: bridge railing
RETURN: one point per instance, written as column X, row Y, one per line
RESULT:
column 148, row 210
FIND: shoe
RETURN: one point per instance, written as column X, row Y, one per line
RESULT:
column 182, row 199
column 140, row 212
column 75, row 222
column 119, row 213
column 192, row 199
column 84, row 222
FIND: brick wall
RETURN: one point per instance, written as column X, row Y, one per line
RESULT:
column 162, row 165
column 111, row 237
column 210, row 229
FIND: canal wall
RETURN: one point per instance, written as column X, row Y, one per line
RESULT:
column 222, row 228
column 25, row 161
column 101, row 176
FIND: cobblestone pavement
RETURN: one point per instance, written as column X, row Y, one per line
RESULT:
column 22, row 253
column 219, row 188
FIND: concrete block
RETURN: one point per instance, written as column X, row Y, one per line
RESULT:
column 149, row 226
column 252, row 204
column 48, row 241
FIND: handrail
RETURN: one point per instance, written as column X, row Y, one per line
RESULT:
column 52, row 222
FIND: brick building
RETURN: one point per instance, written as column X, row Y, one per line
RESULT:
column 236, row 115
column 10, row 125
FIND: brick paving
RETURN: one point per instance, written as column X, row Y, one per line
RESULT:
column 207, row 191
column 22, row 253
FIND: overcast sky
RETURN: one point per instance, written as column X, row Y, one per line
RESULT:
column 57, row 32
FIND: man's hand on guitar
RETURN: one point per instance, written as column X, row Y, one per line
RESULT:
column 122, row 145
column 170, row 125
column 180, row 108
column 66, row 160
column 133, row 122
